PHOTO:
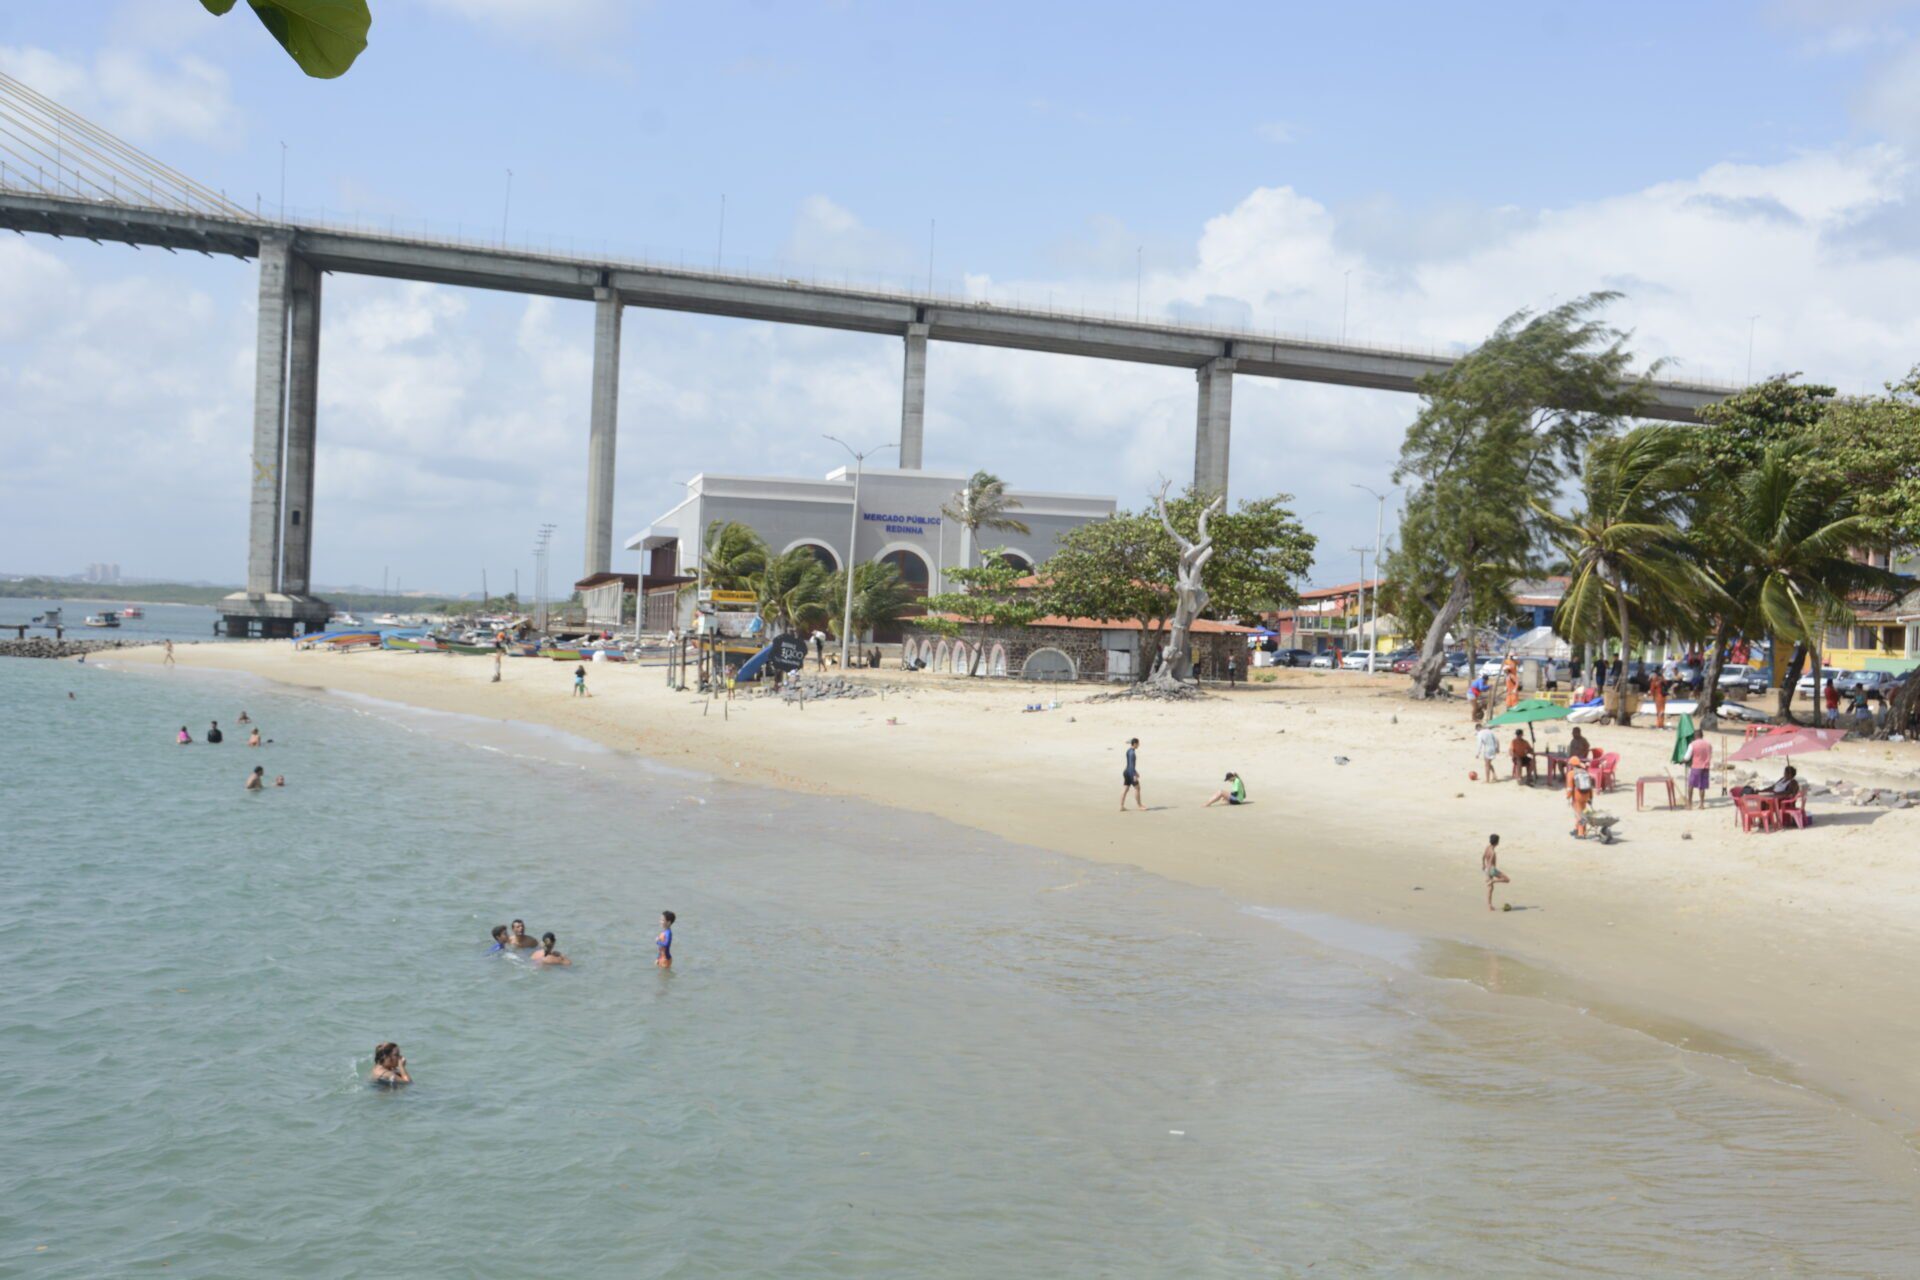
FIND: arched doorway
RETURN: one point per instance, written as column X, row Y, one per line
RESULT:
column 1048, row 664
column 1015, row 559
column 913, row 567
column 942, row 658
column 997, row 661
column 829, row 560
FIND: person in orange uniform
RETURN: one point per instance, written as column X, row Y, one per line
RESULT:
column 1511, row 669
column 1657, row 690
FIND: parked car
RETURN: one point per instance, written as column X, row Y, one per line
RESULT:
column 1868, row 682
column 1748, row 680
column 1292, row 657
column 1405, row 666
column 1324, row 661
column 1358, row 662
column 1402, row 655
column 1828, row 675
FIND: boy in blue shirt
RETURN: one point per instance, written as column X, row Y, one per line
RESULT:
column 664, row 943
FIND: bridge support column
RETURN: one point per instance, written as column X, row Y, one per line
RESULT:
column 303, row 386
column 605, row 411
column 1213, row 427
column 913, row 399
column 269, row 417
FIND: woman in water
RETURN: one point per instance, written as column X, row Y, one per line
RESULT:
column 548, row 953
column 185, row 739
column 253, row 739
column 389, row 1068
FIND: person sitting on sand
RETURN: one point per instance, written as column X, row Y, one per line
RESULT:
column 1490, row 867
column 1522, row 753
column 1235, row 792
column 518, row 938
column 185, row 739
column 213, row 733
column 389, row 1068
column 257, row 780
column 548, row 953
column 1487, row 749
column 253, row 739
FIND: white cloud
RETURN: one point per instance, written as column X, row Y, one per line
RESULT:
column 1276, row 131
column 135, row 95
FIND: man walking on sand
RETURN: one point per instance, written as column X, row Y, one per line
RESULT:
column 169, row 653
column 1490, row 867
column 1130, row 777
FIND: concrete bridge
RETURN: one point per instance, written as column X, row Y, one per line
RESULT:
column 293, row 258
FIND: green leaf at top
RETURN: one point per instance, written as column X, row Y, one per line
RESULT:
column 217, row 7
column 322, row 36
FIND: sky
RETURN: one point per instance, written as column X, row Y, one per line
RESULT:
column 1745, row 174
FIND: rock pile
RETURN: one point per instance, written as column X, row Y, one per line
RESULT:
column 805, row 688
column 48, row 647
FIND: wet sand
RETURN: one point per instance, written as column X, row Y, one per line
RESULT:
column 1799, row 948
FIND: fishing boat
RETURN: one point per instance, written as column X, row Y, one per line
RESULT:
column 132, row 611
column 456, row 646
column 103, row 619
column 564, row 655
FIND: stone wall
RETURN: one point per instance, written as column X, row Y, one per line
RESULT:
column 48, row 647
column 1082, row 645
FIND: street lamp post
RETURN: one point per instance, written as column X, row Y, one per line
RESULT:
column 1379, row 531
column 853, row 535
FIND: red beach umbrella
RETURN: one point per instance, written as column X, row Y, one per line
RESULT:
column 1791, row 742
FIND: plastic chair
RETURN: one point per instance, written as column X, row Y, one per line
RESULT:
column 1750, row 809
column 1603, row 771
column 1794, row 810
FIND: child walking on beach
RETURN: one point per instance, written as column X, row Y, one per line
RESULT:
column 580, row 681
column 1490, row 867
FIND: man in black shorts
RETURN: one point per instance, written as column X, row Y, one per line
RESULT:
column 1130, row 779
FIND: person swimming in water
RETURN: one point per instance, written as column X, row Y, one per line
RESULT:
column 518, row 939
column 214, row 734
column 253, row 739
column 499, row 940
column 244, row 718
column 279, row 779
column 664, row 943
column 185, row 739
column 257, row 780
column 389, row 1067
column 548, row 952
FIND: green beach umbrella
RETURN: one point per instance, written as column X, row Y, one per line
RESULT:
column 1529, row 711
column 1682, row 736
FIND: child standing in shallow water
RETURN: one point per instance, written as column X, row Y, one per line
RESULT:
column 664, row 943
column 1490, row 867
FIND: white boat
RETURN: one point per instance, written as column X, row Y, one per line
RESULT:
column 388, row 620
column 343, row 619
column 103, row 619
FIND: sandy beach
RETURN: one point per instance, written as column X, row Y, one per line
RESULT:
column 1794, row 951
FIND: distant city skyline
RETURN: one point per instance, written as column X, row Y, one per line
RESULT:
column 1304, row 176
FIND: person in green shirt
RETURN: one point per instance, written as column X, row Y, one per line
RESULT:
column 1235, row 792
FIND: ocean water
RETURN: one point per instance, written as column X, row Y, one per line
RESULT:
column 889, row 1046
column 190, row 623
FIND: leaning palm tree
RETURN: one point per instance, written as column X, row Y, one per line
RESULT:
column 880, row 595
column 795, row 591
column 732, row 557
column 1785, row 537
column 1625, row 552
column 983, row 504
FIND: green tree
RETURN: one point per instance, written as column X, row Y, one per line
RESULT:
column 1625, row 551
column 1737, row 432
column 322, row 36
column 733, row 557
column 989, row 596
column 880, row 596
column 1872, row 444
column 1781, row 546
column 1126, row 567
column 1502, row 425
column 983, row 504
column 796, row 591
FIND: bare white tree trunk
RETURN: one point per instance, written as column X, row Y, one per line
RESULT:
column 1173, row 666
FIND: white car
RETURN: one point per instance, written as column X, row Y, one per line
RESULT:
column 1358, row 662
column 1324, row 661
column 1804, row 689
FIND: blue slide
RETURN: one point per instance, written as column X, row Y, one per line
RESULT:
column 750, row 669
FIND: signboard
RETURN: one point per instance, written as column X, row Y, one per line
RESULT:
column 733, row 597
column 789, row 653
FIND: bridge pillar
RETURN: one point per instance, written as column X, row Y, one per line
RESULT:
column 269, row 417
column 913, row 399
column 605, row 414
column 1214, row 426
column 303, row 379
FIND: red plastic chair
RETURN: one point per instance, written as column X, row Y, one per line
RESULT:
column 1749, row 809
column 1603, row 772
column 1794, row 810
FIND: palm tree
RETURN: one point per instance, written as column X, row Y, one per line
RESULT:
column 732, row 557
column 795, row 591
column 1625, row 550
column 1782, row 543
column 983, row 504
column 880, row 595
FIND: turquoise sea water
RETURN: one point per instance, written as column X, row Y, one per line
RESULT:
column 889, row 1046
column 190, row 623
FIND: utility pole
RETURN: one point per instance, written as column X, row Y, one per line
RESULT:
column 853, row 535
column 1379, row 532
column 1360, row 605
